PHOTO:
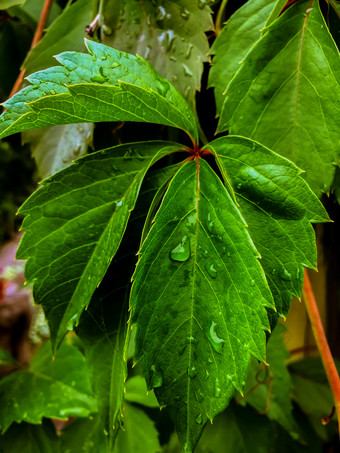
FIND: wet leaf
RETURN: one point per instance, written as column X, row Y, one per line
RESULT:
column 74, row 224
column 170, row 34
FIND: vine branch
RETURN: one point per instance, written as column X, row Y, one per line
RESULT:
column 321, row 341
column 36, row 38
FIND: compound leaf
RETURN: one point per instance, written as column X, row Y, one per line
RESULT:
column 278, row 206
column 107, row 85
column 75, row 223
column 46, row 390
column 170, row 35
column 198, row 298
column 286, row 94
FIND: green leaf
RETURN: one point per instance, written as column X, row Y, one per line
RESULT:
column 136, row 392
column 239, row 35
column 336, row 5
column 269, row 389
column 27, row 438
column 74, row 225
column 6, row 358
column 286, row 94
column 278, row 207
column 67, row 32
column 58, row 389
column 54, row 148
column 198, row 298
column 138, row 431
column 5, row 4
column 84, row 436
column 169, row 35
column 107, row 85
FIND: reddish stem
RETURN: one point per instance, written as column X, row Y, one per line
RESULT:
column 321, row 341
column 36, row 38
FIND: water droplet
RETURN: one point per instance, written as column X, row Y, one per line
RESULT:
column 98, row 78
column 210, row 361
column 205, row 253
column 215, row 341
column 274, row 271
column 192, row 340
column 212, row 271
column 172, row 58
column 252, row 283
column 187, row 71
column 203, row 3
column 199, row 419
column 182, row 251
column 185, row 14
column 198, row 395
column 218, row 391
column 253, row 146
column 188, row 52
column 192, row 372
column 191, row 222
column 238, row 185
column 52, row 91
column 167, row 38
column 206, row 374
column 147, row 52
column 228, row 254
column 161, row 13
column 285, row 275
column 210, row 224
column 156, row 377
column 72, row 321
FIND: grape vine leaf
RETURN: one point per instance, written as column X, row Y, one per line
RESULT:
column 198, row 298
column 74, row 224
column 105, row 85
column 171, row 35
column 45, row 390
column 54, row 148
column 278, row 206
column 286, row 94
column 28, row 438
column 231, row 46
column 269, row 390
column 67, row 32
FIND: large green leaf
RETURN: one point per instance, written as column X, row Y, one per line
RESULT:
column 199, row 298
column 239, row 35
column 67, row 32
column 169, row 34
column 107, row 85
column 54, row 148
column 278, row 206
column 286, row 94
column 84, row 436
column 268, row 389
column 74, row 225
column 27, row 438
column 57, row 389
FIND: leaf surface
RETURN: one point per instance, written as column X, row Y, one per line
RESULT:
column 74, row 225
column 6, row 358
column 84, row 436
column 106, row 85
column 54, row 148
column 198, row 299
column 286, row 94
column 278, row 206
column 170, row 35
column 46, row 390
column 231, row 46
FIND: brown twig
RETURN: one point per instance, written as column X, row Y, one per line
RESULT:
column 36, row 38
column 321, row 341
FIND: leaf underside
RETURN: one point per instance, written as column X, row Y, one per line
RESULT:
column 286, row 94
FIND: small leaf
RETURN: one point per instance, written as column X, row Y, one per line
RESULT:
column 54, row 148
column 46, row 390
column 106, row 85
column 74, row 225
column 136, row 392
column 196, row 323
column 171, row 36
column 278, row 206
column 286, row 94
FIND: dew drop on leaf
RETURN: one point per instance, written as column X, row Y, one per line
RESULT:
column 210, row 224
column 182, row 251
column 212, row 271
column 285, row 275
column 187, row 71
column 199, row 419
column 210, row 361
column 185, row 14
column 215, row 341
column 252, row 283
column 206, row 374
column 192, row 373
column 218, row 391
column 156, row 377
column 198, row 395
